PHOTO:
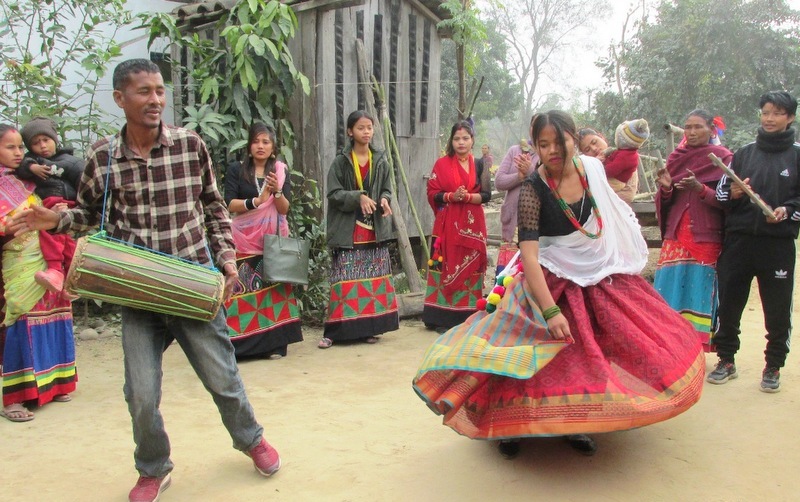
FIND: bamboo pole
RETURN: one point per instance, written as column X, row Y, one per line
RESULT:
column 379, row 141
column 396, row 154
column 672, row 130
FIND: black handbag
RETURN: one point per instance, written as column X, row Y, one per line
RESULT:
column 285, row 259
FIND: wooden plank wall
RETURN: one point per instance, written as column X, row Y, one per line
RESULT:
column 324, row 51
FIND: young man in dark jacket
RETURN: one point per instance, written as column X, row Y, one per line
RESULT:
column 56, row 173
column 759, row 246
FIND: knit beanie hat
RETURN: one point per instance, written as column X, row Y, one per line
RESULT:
column 632, row 134
column 37, row 126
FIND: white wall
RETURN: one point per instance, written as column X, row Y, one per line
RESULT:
column 134, row 45
column 134, row 42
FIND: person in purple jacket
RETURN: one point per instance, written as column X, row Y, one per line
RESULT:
column 691, row 221
column 519, row 162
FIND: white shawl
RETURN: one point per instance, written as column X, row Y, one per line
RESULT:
column 621, row 249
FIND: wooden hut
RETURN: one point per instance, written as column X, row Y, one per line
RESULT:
column 403, row 48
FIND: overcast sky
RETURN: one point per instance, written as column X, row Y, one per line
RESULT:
column 596, row 43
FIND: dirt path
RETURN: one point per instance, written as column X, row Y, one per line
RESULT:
column 349, row 428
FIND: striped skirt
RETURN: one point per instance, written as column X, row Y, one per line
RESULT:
column 39, row 354
column 500, row 376
column 686, row 278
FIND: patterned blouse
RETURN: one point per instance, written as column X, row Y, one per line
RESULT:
column 540, row 214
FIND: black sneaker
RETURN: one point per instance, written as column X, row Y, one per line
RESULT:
column 725, row 370
column 582, row 444
column 771, row 380
column 509, row 449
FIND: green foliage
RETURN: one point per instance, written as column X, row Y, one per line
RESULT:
column 250, row 77
column 499, row 98
column 305, row 223
column 467, row 30
column 468, row 33
column 40, row 59
column 720, row 56
column 259, row 75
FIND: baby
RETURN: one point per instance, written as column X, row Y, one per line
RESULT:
column 622, row 162
column 56, row 173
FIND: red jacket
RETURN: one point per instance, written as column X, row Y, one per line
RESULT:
column 621, row 164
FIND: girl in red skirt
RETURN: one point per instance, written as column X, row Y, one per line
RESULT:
column 578, row 342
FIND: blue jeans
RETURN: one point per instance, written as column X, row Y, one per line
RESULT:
column 145, row 337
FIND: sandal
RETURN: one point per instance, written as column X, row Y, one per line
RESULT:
column 370, row 339
column 17, row 413
column 62, row 398
column 325, row 343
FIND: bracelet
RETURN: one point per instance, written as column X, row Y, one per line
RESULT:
column 248, row 204
column 551, row 312
column 446, row 197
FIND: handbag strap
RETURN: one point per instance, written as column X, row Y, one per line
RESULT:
column 289, row 221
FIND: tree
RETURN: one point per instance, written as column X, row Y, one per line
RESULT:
column 258, row 76
column 467, row 33
column 703, row 53
column 538, row 32
column 41, row 61
column 500, row 96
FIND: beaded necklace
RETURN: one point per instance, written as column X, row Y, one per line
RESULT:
column 260, row 186
column 568, row 210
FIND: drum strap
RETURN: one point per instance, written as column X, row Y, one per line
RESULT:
column 103, row 235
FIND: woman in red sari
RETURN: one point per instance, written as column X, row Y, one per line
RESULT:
column 456, row 190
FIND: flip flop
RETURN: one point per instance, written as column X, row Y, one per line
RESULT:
column 370, row 339
column 62, row 398
column 325, row 343
column 18, row 414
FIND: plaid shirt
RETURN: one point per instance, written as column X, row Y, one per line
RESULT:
column 169, row 203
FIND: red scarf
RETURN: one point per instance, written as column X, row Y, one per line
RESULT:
column 460, row 228
column 685, row 157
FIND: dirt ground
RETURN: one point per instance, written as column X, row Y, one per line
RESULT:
column 349, row 428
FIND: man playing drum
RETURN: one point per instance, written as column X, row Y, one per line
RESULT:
column 163, row 196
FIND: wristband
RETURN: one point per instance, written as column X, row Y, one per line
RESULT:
column 551, row 312
column 248, row 204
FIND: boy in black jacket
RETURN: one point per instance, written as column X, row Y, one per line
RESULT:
column 56, row 173
column 759, row 246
